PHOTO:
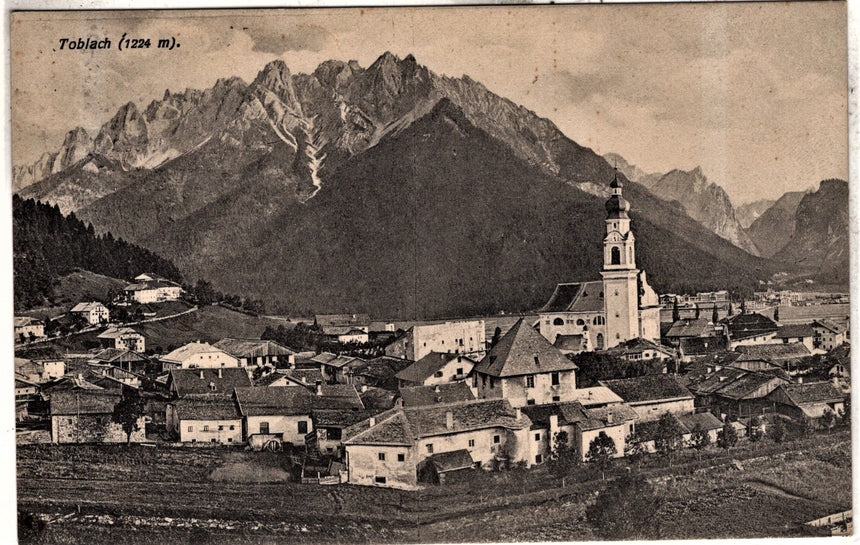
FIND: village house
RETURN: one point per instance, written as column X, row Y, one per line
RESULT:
column 337, row 368
column 388, row 449
column 735, row 392
column 184, row 382
column 93, row 313
column 595, row 397
column 452, row 392
column 207, row 419
column 828, row 334
column 28, row 329
column 436, row 368
column 572, row 344
column 524, row 368
column 122, row 338
column 642, row 350
column 290, row 377
column 25, row 389
column 328, row 427
column 84, row 416
column 808, row 400
column 380, row 372
column 693, row 328
column 786, row 356
column 708, row 422
column 839, row 360
column 652, row 395
column 198, row 355
column 694, row 348
column 621, row 306
column 151, row 288
column 799, row 333
column 465, row 337
column 581, row 425
column 114, row 378
column 256, row 352
column 750, row 328
column 125, row 359
column 40, row 370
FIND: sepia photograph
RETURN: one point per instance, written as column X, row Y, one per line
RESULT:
column 438, row 274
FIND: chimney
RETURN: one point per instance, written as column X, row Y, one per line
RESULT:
column 437, row 389
column 449, row 420
column 292, row 359
column 319, row 387
column 363, row 388
column 518, row 413
column 201, row 374
column 372, row 421
column 220, row 375
column 609, row 418
column 800, row 380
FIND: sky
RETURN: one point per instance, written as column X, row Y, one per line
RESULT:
column 754, row 93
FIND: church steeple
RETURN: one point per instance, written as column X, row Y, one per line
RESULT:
column 618, row 244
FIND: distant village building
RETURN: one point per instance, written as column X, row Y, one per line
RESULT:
column 641, row 349
column 618, row 308
column 151, row 288
column 40, row 370
column 800, row 333
column 525, row 369
column 750, row 328
column 125, row 359
column 344, row 328
column 734, row 391
column 123, row 338
column 198, row 355
column 93, row 313
column 808, row 400
column 256, row 352
column 782, row 355
column 84, row 416
column 27, row 328
column 436, row 368
column 204, row 420
column 452, row 392
column 466, row 337
column 392, row 448
column 652, row 395
column 184, row 382
column 828, row 334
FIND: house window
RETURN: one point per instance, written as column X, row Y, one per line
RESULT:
column 264, row 427
column 556, row 399
column 580, row 322
column 232, row 428
column 429, row 448
column 471, row 442
column 497, row 439
column 558, row 321
column 530, row 381
column 381, row 456
column 554, row 379
column 190, row 428
column 70, row 421
column 438, row 374
column 205, row 428
column 229, row 439
column 220, row 428
column 492, row 383
column 303, row 426
column 380, row 480
column 401, row 457
column 530, row 402
column 537, row 437
column 459, row 370
column 538, row 459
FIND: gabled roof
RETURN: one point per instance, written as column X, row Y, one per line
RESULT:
column 71, row 402
column 340, row 362
column 118, row 355
column 117, row 332
column 453, row 392
column 427, row 366
column 86, row 307
column 323, row 357
column 339, row 396
column 381, row 371
column 523, row 351
column 188, row 381
column 744, row 326
column 830, row 325
column 24, row 321
column 207, row 408
column 338, row 330
column 405, row 425
column 702, row 327
column 576, row 297
column 812, row 392
column 275, row 400
column 252, row 348
column 574, row 413
column 775, row 352
column 797, row 330
column 191, row 349
column 377, row 399
column 305, row 376
column 450, row 461
column 709, row 383
column 701, row 346
column 343, row 418
column 747, row 386
column 637, row 346
column 707, row 421
column 647, row 388
column 596, row 395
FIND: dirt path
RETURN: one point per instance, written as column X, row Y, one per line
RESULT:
column 776, row 490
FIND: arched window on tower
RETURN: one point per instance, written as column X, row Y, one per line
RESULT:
column 580, row 322
column 598, row 320
column 558, row 321
column 599, row 341
column 616, row 256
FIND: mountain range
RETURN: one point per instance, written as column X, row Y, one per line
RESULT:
column 387, row 189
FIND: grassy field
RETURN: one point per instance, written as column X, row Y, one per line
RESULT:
column 169, row 495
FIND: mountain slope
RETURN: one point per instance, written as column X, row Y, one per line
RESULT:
column 751, row 211
column 773, row 229
column 820, row 239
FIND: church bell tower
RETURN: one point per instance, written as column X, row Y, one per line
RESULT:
column 620, row 275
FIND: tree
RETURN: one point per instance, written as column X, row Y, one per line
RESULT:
column 755, row 430
column 777, row 430
column 805, row 427
column 699, row 439
column 697, row 311
column 601, row 450
column 743, row 306
column 563, row 458
column 634, row 448
column 776, row 314
column 668, row 436
column 676, row 314
column 845, row 413
column 497, row 334
column 625, row 509
column 727, row 437
column 128, row 411
column 731, row 309
column 828, row 419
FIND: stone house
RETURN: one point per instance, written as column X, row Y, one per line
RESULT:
column 652, row 395
column 436, row 368
column 256, row 352
column 93, row 313
column 184, row 382
column 27, row 328
column 467, row 337
column 122, row 338
column 205, row 419
column 808, row 400
column 84, row 416
column 799, row 333
column 198, row 355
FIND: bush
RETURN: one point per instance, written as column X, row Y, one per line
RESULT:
column 625, row 509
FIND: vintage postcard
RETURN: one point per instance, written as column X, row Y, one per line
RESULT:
column 431, row 274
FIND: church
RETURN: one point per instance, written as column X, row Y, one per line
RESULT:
column 600, row 314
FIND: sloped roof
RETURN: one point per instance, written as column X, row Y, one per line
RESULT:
column 638, row 345
column 23, row 321
column 404, row 425
column 451, row 461
column 523, row 351
column 207, row 408
column 343, row 361
column 188, row 381
column 425, row 367
column 275, row 400
column 744, row 326
column 377, row 399
column 339, row 396
column 829, row 324
column 307, row 376
column 323, row 357
column 700, row 346
column 117, row 332
column 191, row 349
column 707, row 421
column 570, row 413
column 338, row 330
column 413, row 396
column 381, row 370
column 86, row 307
column 252, row 348
column 775, row 352
column 341, row 319
column 797, row 330
column 596, row 395
column 83, row 402
column 569, row 342
column 745, row 387
column 647, row 388
column 333, row 418
column 812, row 392
column 115, row 355
column 691, row 328
column 576, row 297
column 709, row 383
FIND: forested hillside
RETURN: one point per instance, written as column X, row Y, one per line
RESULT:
column 47, row 245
